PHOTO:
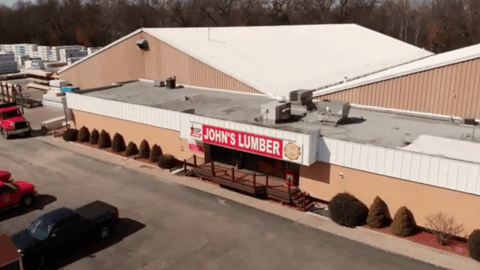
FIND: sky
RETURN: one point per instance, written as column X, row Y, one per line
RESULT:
column 11, row 2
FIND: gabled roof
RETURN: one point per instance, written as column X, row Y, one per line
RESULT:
column 278, row 59
column 428, row 63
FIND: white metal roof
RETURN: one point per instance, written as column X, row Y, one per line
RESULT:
column 431, row 62
column 446, row 147
column 278, row 59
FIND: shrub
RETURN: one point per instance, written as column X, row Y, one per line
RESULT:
column 155, row 153
column 94, row 136
column 84, row 134
column 473, row 245
column 131, row 149
column 144, row 150
column 70, row 135
column 403, row 222
column 104, row 141
column 167, row 162
column 378, row 215
column 443, row 227
column 347, row 210
column 118, row 143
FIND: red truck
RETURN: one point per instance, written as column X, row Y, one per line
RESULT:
column 13, row 193
column 12, row 121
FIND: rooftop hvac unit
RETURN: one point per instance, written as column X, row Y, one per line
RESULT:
column 333, row 110
column 301, row 97
column 276, row 111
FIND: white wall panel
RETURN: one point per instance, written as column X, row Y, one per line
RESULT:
column 406, row 165
column 443, row 172
column 357, row 150
column 372, row 159
column 333, row 151
column 389, row 160
column 398, row 163
column 473, row 178
column 363, row 157
column 348, row 154
column 452, row 175
column 434, row 171
column 380, row 164
column 415, row 167
column 341, row 153
column 424, row 169
column 462, row 177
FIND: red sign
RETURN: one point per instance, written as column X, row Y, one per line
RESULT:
column 243, row 141
column 194, row 147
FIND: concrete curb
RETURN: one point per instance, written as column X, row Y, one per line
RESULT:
column 362, row 235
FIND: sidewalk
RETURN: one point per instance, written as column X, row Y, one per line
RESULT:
column 372, row 238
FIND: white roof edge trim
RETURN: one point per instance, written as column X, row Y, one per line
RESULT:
column 393, row 76
column 101, row 50
column 223, row 90
column 210, row 89
column 199, row 58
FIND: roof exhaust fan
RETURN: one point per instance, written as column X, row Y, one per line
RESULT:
column 142, row 44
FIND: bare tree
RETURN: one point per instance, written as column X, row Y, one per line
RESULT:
column 278, row 10
column 315, row 11
column 347, row 7
column 472, row 18
column 444, row 227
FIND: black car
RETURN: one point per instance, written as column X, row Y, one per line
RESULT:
column 52, row 230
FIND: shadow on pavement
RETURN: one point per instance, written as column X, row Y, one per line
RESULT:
column 71, row 253
column 40, row 202
column 33, row 133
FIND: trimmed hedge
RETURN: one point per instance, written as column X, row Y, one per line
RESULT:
column 70, row 135
column 155, row 153
column 118, row 143
column 94, row 136
column 131, row 149
column 378, row 215
column 144, row 151
column 403, row 222
column 84, row 134
column 104, row 141
column 167, row 162
column 473, row 245
column 347, row 210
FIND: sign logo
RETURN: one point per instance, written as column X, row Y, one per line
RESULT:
column 292, row 151
column 196, row 132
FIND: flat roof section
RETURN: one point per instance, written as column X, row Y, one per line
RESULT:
column 378, row 128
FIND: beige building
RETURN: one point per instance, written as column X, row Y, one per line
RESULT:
column 228, row 98
column 446, row 84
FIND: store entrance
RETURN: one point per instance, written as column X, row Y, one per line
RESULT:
column 260, row 164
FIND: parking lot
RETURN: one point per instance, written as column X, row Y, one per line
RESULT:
column 167, row 226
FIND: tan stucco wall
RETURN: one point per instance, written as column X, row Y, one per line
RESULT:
column 168, row 140
column 323, row 181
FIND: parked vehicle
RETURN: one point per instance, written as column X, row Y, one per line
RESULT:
column 12, row 121
column 5, row 176
column 14, row 193
column 10, row 258
column 59, row 227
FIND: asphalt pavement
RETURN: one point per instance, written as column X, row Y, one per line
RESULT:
column 169, row 226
